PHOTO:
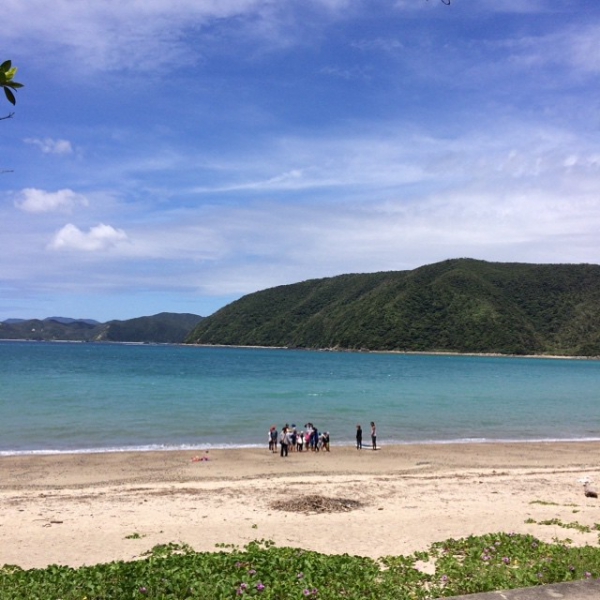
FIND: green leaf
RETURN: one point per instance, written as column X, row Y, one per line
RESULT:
column 5, row 66
column 10, row 96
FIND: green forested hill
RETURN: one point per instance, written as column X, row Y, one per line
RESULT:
column 160, row 328
column 459, row 305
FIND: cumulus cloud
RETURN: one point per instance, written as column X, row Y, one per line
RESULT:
column 99, row 238
column 51, row 146
column 33, row 200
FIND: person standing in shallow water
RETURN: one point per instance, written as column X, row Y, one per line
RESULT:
column 373, row 435
column 358, row 437
column 273, row 439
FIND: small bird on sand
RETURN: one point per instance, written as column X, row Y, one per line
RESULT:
column 589, row 491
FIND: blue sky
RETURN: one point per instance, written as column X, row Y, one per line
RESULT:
column 174, row 155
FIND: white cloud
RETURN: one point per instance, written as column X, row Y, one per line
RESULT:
column 39, row 201
column 575, row 48
column 124, row 34
column 99, row 238
column 116, row 35
column 372, row 163
column 582, row 48
column 349, row 74
column 51, row 146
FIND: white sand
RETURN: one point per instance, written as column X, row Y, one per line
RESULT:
column 80, row 509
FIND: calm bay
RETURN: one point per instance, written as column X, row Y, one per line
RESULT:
column 71, row 397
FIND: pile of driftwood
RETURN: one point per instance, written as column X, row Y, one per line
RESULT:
column 315, row 503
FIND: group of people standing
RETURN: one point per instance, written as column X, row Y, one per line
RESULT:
column 373, row 436
column 292, row 440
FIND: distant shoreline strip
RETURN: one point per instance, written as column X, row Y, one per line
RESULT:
column 225, row 446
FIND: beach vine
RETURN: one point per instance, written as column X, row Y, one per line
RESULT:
column 175, row 571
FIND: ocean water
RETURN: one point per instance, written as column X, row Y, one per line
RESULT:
column 71, row 397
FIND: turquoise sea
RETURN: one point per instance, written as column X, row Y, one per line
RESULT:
column 65, row 397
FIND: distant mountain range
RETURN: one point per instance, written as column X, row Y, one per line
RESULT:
column 460, row 305
column 166, row 328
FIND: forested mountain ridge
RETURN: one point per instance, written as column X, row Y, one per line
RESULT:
column 458, row 305
column 161, row 328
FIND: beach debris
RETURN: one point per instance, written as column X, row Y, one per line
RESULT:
column 200, row 459
column 589, row 491
column 53, row 522
column 203, row 458
column 315, row 503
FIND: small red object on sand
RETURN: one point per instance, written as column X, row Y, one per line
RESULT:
column 200, row 459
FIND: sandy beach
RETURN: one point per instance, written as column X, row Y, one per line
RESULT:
column 91, row 508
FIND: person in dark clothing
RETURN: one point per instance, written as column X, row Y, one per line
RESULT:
column 284, row 441
column 273, row 439
column 358, row 437
column 293, row 439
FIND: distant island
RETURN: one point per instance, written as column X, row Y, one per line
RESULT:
column 163, row 328
column 459, row 305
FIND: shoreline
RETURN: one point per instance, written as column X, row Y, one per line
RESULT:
column 80, row 509
column 401, row 352
column 340, row 350
column 158, row 448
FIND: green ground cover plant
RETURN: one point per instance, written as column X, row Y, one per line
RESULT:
column 261, row 570
column 573, row 525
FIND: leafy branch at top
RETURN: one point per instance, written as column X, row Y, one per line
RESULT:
column 7, row 74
